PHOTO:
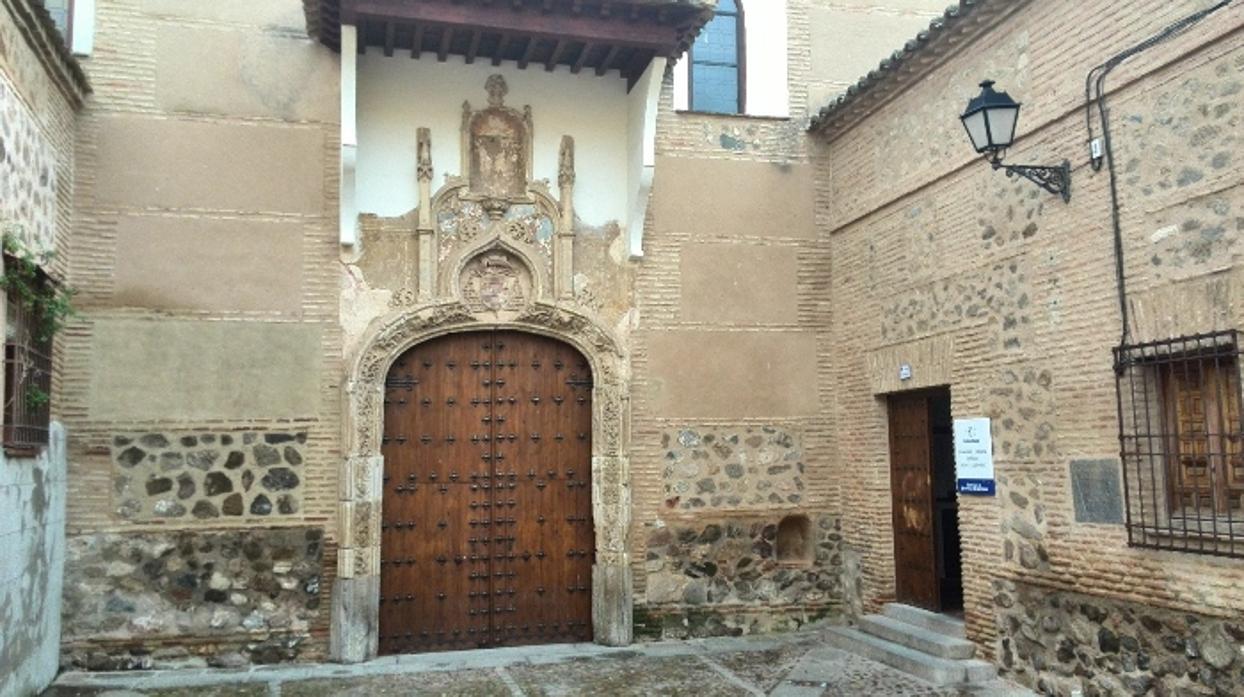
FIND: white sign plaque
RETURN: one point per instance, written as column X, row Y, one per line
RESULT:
column 974, row 457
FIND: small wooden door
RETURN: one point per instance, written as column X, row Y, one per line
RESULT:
column 487, row 532
column 911, row 483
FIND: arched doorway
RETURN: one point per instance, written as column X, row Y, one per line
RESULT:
column 487, row 532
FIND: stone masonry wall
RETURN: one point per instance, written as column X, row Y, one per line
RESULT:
column 754, row 468
column 192, row 598
column 208, row 475
column 1058, row 641
column 712, row 578
column 1006, row 294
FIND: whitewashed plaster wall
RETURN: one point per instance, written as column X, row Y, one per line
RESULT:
column 32, row 561
column 397, row 95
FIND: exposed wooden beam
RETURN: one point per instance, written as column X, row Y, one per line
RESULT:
column 473, row 49
column 416, row 48
column 447, row 37
column 502, row 47
column 531, row 47
column 582, row 27
column 582, row 59
column 607, row 60
column 636, row 67
column 555, row 56
column 390, row 33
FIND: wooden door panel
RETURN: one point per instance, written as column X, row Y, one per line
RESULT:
column 487, row 535
column 544, row 448
column 434, row 575
column 911, row 482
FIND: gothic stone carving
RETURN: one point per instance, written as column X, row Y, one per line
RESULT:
column 495, row 281
column 359, row 553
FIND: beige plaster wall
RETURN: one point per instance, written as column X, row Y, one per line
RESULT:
column 200, row 372
column 731, row 282
column 206, row 263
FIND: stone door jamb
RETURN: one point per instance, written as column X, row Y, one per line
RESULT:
column 356, row 592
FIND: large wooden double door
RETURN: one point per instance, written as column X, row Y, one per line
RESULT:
column 487, row 533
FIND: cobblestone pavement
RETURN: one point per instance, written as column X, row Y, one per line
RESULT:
column 789, row 665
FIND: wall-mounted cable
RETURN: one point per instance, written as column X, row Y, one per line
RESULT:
column 1095, row 90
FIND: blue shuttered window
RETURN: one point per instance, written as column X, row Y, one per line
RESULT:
column 717, row 62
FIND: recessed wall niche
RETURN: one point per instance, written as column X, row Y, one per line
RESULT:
column 794, row 541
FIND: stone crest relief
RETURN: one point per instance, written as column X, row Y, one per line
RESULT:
column 495, row 281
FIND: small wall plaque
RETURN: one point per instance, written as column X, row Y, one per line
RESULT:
column 904, row 372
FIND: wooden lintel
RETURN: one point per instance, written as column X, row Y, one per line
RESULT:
column 663, row 37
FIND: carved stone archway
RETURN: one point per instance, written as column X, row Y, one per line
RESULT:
column 494, row 252
column 355, row 618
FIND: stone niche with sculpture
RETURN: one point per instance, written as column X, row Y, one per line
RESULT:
column 494, row 238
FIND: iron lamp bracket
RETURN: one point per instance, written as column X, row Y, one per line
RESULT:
column 1056, row 180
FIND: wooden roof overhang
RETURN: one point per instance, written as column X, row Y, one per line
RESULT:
column 599, row 35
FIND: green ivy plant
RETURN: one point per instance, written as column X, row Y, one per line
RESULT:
column 50, row 304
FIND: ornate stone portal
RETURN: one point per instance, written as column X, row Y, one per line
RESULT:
column 495, row 251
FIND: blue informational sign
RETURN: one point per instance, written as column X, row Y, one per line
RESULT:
column 977, row 487
column 974, row 457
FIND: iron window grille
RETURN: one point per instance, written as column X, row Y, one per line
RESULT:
column 1181, row 442
column 27, row 378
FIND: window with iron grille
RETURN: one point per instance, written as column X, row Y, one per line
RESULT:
column 27, row 376
column 1182, row 443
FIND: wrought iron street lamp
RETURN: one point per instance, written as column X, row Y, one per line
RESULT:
column 990, row 121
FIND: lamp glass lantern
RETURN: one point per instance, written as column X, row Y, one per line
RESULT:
column 990, row 120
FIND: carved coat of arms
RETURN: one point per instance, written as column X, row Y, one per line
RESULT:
column 494, row 282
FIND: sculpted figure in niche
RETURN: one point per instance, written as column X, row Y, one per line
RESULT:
column 498, row 140
column 497, row 155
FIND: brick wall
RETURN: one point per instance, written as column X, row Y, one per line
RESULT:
column 205, row 254
column 734, row 333
column 929, row 245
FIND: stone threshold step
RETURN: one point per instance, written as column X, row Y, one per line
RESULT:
column 939, row 671
column 916, row 637
column 932, row 621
